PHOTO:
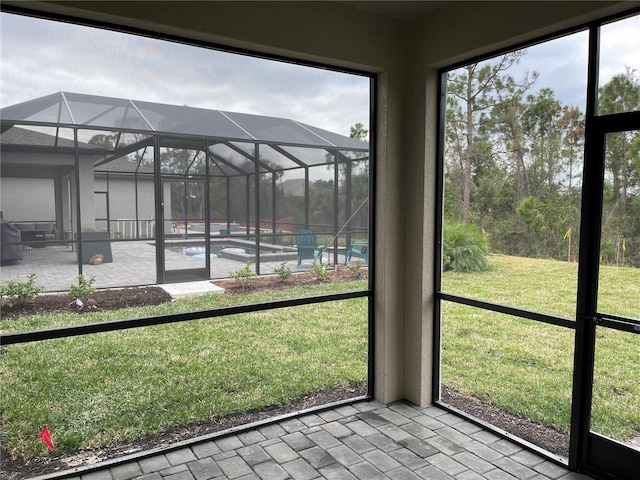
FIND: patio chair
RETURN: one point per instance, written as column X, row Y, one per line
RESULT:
column 358, row 249
column 307, row 246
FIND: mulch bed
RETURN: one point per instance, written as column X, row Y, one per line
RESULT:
column 110, row 299
column 117, row 298
column 544, row 436
column 273, row 283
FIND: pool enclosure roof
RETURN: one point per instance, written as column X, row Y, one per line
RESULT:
column 230, row 138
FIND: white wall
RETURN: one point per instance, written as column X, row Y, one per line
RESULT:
column 20, row 202
column 122, row 196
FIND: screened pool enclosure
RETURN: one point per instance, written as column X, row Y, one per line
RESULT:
column 137, row 192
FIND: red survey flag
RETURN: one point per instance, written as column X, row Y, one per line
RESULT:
column 46, row 437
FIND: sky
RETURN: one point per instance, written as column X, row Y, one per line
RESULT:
column 39, row 57
column 562, row 62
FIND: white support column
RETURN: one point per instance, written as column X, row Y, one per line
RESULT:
column 87, row 196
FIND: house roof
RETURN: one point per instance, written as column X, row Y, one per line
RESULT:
column 24, row 136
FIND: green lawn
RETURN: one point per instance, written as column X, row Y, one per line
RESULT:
column 547, row 286
column 526, row 367
column 120, row 386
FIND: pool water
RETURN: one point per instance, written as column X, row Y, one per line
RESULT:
column 238, row 251
column 198, row 251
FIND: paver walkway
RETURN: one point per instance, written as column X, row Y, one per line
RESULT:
column 134, row 263
column 366, row 440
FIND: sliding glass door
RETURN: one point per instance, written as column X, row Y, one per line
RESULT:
column 607, row 434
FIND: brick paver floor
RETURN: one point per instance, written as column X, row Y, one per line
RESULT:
column 134, row 263
column 366, row 441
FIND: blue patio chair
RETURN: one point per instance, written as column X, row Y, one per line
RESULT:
column 307, row 246
column 358, row 249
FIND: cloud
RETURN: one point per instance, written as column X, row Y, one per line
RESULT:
column 619, row 48
column 40, row 57
column 562, row 65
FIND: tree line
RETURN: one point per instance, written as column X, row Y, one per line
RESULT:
column 513, row 163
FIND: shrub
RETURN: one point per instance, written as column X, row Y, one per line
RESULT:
column 83, row 289
column 354, row 269
column 15, row 294
column 283, row 271
column 464, row 248
column 243, row 276
column 321, row 271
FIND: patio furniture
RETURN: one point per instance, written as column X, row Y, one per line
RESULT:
column 35, row 234
column 331, row 253
column 10, row 247
column 306, row 243
column 358, row 249
column 33, row 238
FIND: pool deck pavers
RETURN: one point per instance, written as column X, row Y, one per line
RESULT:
column 134, row 263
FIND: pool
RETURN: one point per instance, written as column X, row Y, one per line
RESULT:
column 240, row 250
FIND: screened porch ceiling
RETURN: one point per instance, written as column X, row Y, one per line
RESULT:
column 119, row 135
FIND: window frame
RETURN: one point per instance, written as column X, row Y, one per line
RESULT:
column 579, row 427
column 123, row 324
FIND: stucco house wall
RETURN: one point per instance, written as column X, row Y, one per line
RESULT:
column 18, row 202
column 124, row 197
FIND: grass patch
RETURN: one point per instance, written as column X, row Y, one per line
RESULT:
column 103, row 389
column 525, row 367
column 548, row 286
